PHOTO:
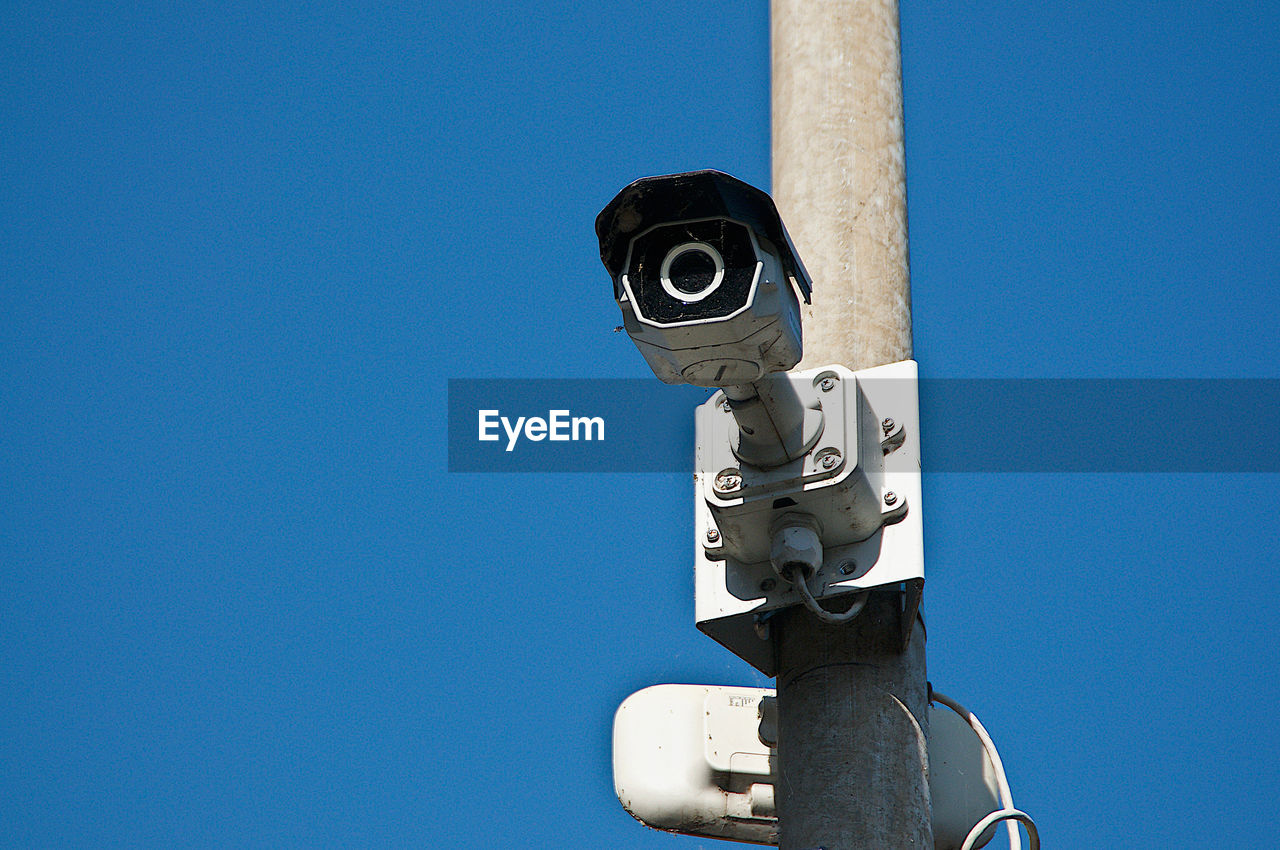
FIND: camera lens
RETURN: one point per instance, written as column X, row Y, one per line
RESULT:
column 692, row 271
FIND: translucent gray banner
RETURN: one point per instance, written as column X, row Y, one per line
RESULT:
column 967, row 425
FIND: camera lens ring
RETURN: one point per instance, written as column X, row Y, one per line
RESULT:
column 679, row 251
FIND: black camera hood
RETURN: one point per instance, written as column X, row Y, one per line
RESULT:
column 691, row 195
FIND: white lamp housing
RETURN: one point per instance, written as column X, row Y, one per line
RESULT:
column 691, row 759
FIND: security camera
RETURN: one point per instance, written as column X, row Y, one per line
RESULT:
column 798, row 473
column 706, row 277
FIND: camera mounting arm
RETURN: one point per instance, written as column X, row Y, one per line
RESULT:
column 774, row 425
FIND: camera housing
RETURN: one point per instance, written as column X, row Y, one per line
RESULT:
column 706, row 277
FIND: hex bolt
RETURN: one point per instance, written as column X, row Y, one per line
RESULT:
column 827, row 384
column 890, row 498
column 728, row 481
column 829, row 461
column 724, row 405
column 713, row 536
column 887, row 425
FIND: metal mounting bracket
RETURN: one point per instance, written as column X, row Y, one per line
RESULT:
column 860, row 481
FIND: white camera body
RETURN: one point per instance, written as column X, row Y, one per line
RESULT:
column 706, row 278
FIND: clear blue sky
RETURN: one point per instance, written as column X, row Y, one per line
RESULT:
column 242, row 601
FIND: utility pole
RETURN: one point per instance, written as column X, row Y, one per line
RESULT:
column 852, row 703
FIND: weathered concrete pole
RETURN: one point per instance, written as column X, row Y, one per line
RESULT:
column 852, row 705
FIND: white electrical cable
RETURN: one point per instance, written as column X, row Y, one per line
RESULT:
column 1008, row 814
column 802, row 584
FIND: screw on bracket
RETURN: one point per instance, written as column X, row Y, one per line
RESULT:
column 713, row 536
column 728, row 481
column 830, row 460
column 891, row 498
column 827, row 384
column 887, row 425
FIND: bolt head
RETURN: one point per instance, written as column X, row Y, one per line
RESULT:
column 827, row 384
column 713, row 536
column 891, row 498
column 728, row 481
column 829, row 461
column 724, row 405
column 847, row 568
column 768, row 584
column 887, row 425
